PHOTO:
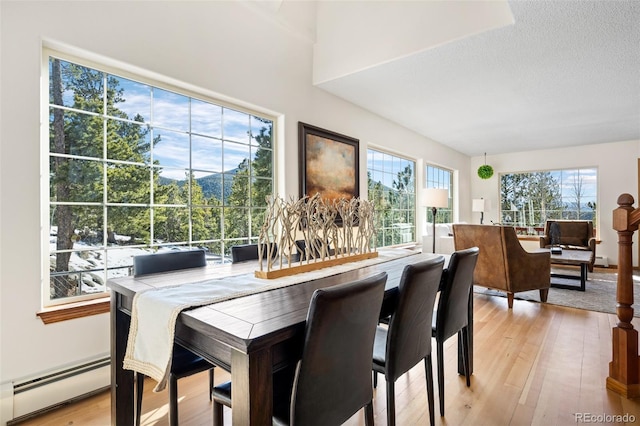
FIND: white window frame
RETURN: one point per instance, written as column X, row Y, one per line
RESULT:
column 438, row 184
column 415, row 188
column 534, row 230
column 127, row 71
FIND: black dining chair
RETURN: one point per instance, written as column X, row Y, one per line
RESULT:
column 407, row 339
column 332, row 380
column 313, row 251
column 183, row 362
column 244, row 252
column 452, row 314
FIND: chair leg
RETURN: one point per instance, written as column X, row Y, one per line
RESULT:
column 391, row 403
column 464, row 335
column 440, row 346
column 428, row 367
column 218, row 419
column 139, row 391
column 173, row 400
column 510, row 300
column 375, row 379
column 368, row 414
column 544, row 293
column 211, row 385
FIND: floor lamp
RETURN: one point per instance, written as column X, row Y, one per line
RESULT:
column 435, row 198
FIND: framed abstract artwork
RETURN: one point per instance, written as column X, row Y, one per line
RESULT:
column 329, row 163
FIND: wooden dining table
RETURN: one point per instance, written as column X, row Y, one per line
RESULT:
column 250, row 336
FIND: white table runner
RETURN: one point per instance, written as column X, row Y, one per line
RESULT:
column 155, row 311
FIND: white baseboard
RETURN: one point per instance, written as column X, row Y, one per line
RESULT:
column 6, row 402
column 23, row 397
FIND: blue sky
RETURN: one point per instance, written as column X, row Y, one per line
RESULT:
column 385, row 167
column 172, row 116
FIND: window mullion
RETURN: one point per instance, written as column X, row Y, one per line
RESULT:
column 113, row 150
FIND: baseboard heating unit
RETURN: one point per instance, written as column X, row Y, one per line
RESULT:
column 602, row 261
column 36, row 395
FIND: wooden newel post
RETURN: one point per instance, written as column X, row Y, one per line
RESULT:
column 624, row 369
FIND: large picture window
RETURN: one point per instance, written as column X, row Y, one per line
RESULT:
column 392, row 189
column 528, row 199
column 134, row 167
column 437, row 177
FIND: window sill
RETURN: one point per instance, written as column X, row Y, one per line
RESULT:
column 537, row 238
column 74, row 310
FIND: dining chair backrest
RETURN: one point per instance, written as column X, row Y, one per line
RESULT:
column 409, row 332
column 168, row 261
column 453, row 304
column 244, row 252
column 183, row 362
column 333, row 378
column 313, row 251
column 301, row 246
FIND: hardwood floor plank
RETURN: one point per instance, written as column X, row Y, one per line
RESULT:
column 536, row 364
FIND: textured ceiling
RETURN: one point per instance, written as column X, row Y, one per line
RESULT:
column 566, row 73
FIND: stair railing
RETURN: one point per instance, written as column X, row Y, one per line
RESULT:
column 624, row 369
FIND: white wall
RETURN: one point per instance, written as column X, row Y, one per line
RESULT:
column 221, row 47
column 617, row 174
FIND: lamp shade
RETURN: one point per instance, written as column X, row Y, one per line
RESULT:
column 477, row 205
column 435, row 197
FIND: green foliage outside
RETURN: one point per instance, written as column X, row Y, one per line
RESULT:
column 529, row 199
column 394, row 208
column 86, row 172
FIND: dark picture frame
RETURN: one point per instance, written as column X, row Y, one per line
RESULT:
column 329, row 163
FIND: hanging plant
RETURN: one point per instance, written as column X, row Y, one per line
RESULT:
column 485, row 171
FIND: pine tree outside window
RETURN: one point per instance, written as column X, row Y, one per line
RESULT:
column 528, row 199
column 392, row 190
column 135, row 168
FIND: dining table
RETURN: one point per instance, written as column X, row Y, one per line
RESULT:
column 251, row 335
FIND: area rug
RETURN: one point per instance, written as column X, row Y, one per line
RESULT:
column 600, row 294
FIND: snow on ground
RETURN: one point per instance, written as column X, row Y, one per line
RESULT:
column 90, row 260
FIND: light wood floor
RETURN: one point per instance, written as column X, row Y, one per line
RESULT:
column 538, row 364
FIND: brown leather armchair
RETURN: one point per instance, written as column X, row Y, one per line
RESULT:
column 570, row 235
column 502, row 262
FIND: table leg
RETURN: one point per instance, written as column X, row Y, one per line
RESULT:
column 122, row 395
column 582, row 278
column 252, row 395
